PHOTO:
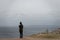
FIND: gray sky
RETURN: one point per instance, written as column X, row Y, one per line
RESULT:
column 30, row 12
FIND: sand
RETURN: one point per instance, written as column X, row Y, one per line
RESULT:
column 26, row 38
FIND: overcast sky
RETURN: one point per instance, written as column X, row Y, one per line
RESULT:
column 30, row 12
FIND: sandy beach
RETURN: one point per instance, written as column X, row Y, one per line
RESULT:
column 26, row 38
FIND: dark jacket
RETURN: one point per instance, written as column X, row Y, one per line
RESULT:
column 20, row 28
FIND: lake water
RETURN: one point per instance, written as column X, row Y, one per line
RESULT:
column 12, row 32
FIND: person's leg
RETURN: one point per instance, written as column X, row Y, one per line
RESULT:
column 21, row 34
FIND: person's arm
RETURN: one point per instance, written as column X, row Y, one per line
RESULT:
column 19, row 26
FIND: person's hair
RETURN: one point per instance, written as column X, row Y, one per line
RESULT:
column 20, row 22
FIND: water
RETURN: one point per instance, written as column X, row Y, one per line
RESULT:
column 13, row 32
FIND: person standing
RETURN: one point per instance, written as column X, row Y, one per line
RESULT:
column 21, row 30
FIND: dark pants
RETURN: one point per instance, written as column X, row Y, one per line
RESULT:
column 21, row 34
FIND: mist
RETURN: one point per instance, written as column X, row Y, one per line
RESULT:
column 30, row 12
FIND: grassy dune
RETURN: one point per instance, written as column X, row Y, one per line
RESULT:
column 54, row 34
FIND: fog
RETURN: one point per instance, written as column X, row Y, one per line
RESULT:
column 30, row 12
